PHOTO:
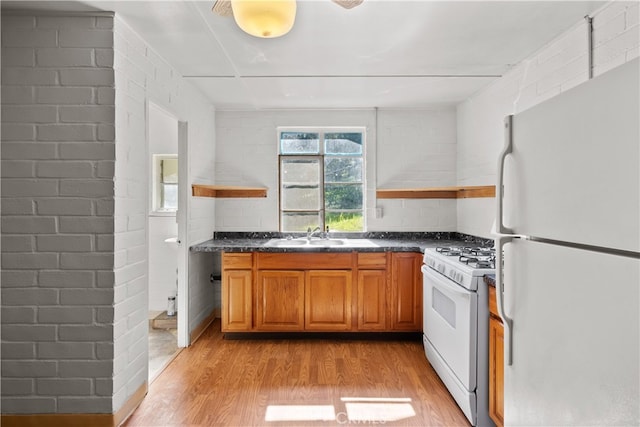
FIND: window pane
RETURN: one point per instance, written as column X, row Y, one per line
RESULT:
column 300, row 171
column 299, row 143
column 343, row 196
column 343, row 143
column 300, row 221
column 169, row 169
column 300, row 183
column 345, row 221
column 342, row 169
column 300, row 198
column 169, row 196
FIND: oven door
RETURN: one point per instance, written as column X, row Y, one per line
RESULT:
column 450, row 324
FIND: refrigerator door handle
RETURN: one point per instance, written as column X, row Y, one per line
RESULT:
column 506, row 150
column 506, row 321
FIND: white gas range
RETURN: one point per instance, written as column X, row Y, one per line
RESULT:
column 456, row 324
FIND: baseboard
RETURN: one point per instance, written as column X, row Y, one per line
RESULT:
column 198, row 330
column 58, row 420
column 77, row 420
column 130, row 405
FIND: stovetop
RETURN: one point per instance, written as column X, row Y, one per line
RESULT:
column 463, row 265
column 475, row 257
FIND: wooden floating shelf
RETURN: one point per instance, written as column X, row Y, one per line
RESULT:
column 463, row 192
column 226, row 191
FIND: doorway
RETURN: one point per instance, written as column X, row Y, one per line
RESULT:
column 167, row 314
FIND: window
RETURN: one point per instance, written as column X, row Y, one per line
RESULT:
column 321, row 179
column 165, row 183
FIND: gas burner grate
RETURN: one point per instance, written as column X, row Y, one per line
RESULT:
column 479, row 261
column 476, row 251
column 477, row 257
column 449, row 251
column 485, row 264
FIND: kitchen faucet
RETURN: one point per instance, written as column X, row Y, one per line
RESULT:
column 311, row 233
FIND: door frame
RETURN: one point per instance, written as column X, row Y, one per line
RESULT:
column 181, row 218
column 183, row 234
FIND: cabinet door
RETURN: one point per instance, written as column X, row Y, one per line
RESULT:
column 328, row 300
column 236, row 300
column 496, row 371
column 406, row 295
column 371, row 299
column 280, row 301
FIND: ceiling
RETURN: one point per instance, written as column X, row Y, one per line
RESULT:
column 383, row 53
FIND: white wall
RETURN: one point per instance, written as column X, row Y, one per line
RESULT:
column 556, row 67
column 142, row 76
column 416, row 148
column 163, row 257
column 410, row 148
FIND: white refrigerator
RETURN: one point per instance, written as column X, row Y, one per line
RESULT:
column 568, row 256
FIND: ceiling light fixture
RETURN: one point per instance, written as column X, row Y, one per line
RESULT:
column 264, row 18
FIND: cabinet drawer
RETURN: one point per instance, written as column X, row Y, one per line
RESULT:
column 236, row 260
column 372, row 260
column 304, row 261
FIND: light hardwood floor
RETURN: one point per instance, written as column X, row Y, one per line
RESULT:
column 298, row 382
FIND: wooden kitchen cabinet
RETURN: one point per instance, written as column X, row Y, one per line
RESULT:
column 371, row 300
column 236, row 291
column 328, row 300
column 280, row 300
column 372, row 291
column 406, row 291
column 496, row 362
column 321, row 292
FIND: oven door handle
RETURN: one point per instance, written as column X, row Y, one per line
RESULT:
column 444, row 283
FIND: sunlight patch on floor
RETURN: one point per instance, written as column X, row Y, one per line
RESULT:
column 379, row 411
column 300, row 413
column 357, row 409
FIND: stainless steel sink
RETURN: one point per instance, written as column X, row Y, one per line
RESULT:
column 286, row 243
column 327, row 242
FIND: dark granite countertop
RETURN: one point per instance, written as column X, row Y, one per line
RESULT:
column 382, row 242
column 490, row 279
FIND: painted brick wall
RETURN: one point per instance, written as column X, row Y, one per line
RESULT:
column 74, row 208
column 57, row 213
column 140, row 76
column 556, row 67
column 203, row 298
column 413, row 148
column 416, row 148
column 130, row 234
